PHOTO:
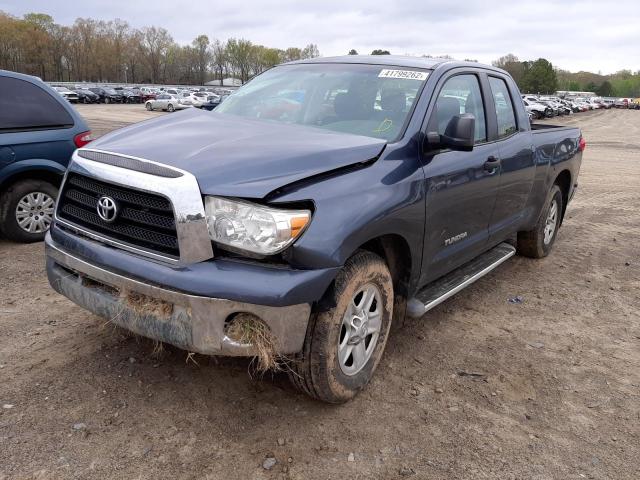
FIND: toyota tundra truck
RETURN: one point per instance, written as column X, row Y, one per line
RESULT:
column 321, row 202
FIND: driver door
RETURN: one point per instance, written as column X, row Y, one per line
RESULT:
column 461, row 186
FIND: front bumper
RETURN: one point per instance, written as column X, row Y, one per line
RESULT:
column 191, row 322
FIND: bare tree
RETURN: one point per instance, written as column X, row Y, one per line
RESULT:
column 310, row 51
column 220, row 58
column 155, row 43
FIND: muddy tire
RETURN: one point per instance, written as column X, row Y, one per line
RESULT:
column 26, row 210
column 537, row 243
column 345, row 343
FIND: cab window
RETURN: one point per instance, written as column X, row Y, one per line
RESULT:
column 461, row 94
column 504, row 107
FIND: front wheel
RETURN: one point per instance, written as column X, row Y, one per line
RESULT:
column 26, row 210
column 345, row 343
column 537, row 243
column 149, row 107
column 171, row 108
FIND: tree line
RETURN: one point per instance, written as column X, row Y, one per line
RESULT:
column 112, row 51
column 540, row 76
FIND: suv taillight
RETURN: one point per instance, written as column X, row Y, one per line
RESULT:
column 583, row 144
column 83, row 138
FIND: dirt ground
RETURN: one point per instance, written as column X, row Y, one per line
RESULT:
column 479, row 388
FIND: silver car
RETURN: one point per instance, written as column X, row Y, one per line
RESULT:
column 167, row 102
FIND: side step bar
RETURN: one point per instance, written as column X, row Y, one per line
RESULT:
column 438, row 291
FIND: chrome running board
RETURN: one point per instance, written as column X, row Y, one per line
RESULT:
column 447, row 286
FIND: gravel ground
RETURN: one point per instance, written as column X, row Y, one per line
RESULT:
column 479, row 388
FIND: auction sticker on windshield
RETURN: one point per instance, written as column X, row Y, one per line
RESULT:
column 404, row 74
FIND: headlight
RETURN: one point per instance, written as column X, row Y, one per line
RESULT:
column 253, row 228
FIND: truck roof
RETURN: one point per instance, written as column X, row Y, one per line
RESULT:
column 395, row 60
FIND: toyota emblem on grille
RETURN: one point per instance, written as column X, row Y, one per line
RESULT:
column 107, row 209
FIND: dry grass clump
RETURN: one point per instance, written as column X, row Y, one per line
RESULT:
column 250, row 330
column 158, row 349
column 145, row 305
column 91, row 283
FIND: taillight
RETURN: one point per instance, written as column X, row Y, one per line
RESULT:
column 83, row 138
column 583, row 144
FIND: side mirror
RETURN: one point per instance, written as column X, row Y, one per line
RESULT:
column 459, row 134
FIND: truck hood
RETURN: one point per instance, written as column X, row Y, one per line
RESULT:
column 235, row 156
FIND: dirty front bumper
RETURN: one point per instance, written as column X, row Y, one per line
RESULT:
column 191, row 322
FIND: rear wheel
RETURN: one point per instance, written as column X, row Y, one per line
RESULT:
column 149, row 107
column 345, row 343
column 26, row 210
column 537, row 243
column 107, row 100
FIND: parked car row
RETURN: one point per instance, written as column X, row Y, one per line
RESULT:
column 191, row 96
column 547, row 106
column 631, row 103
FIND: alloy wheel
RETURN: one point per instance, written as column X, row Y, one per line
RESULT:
column 360, row 329
column 551, row 223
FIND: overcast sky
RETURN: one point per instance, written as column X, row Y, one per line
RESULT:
column 574, row 35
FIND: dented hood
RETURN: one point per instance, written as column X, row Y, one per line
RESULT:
column 236, row 156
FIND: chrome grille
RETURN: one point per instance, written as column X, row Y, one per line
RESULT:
column 144, row 220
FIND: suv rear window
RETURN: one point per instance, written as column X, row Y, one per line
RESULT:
column 25, row 106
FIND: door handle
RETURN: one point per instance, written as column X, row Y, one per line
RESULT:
column 492, row 164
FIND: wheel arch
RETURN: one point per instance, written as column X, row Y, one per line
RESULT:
column 395, row 251
column 563, row 180
column 45, row 170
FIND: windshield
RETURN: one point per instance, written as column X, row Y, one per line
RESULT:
column 369, row 100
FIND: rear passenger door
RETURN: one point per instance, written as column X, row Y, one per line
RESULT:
column 517, row 159
column 461, row 186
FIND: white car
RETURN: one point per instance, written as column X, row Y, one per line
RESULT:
column 196, row 99
column 174, row 91
column 70, row 95
column 536, row 109
column 167, row 102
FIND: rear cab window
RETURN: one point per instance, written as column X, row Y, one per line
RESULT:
column 505, row 113
column 26, row 106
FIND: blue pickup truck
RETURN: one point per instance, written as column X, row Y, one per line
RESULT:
column 319, row 203
column 39, row 131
